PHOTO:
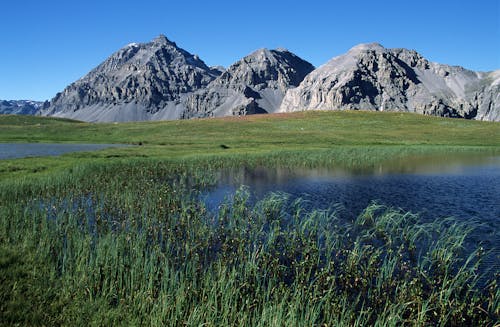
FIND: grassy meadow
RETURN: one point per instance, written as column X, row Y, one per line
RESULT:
column 121, row 237
column 303, row 138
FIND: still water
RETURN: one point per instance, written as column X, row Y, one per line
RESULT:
column 464, row 187
column 23, row 150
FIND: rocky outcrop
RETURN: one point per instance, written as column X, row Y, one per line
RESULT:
column 254, row 84
column 20, row 107
column 158, row 80
column 370, row 77
column 486, row 97
column 139, row 82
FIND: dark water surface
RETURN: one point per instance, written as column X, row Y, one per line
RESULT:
column 23, row 150
column 464, row 187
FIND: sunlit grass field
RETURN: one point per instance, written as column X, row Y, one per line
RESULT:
column 299, row 137
column 121, row 237
column 318, row 129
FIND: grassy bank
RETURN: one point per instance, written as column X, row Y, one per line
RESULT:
column 139, row 248
column 304, row 136
column 313, row 128
column 120, row 236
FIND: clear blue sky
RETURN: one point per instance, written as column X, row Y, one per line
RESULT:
column 45, row 45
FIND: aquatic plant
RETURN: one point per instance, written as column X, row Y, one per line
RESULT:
column 141, row 248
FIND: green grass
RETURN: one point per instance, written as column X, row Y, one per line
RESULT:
column 312, row 136
column 139, row 248
column 314, row 128
column 120, row 237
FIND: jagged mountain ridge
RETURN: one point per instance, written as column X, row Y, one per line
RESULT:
column 158, row 80
column 254, row 84
column 371, row 77
column 138, row 82
column 20, row 107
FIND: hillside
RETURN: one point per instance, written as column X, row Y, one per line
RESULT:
column 371, row 77
column 158, row 80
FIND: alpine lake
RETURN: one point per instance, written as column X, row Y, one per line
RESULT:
column 463, row 187
column 324, row 219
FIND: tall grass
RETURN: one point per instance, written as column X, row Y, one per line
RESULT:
column 133, row 244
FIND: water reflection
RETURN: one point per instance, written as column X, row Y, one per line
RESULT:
column 464, row 187
column 430, row 165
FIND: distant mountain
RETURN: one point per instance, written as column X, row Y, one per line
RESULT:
column 158, row 80
column 371, row 77
column 20, row 107
column 139, row 82
column 254, row 84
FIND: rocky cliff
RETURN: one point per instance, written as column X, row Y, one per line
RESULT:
column 139, row 82
column 254, row 84
column 158, row 80
column 371, row 77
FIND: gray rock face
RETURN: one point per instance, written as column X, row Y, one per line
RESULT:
column 487, row 97
column 370, row 77
column 139, row 82
column 158, row 80
column 255, row 84
column 20, row 107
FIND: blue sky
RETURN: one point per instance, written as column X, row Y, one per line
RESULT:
column 45, row 45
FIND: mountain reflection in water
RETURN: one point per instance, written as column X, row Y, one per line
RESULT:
column 464, row 187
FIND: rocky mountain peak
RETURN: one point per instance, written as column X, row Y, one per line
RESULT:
column 138, row 80
column 163, row 40
column 254, row 84
column 374, row 46
column 371, row 77
column 264, row 67
column 159, row 80
column 280, row 49
column 260, row 55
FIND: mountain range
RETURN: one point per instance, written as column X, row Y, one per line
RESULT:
column 20, row 107
column 158, row 80
column 371, row 77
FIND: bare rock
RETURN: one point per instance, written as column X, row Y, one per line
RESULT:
column 371, row 77
column 149, row 77
column 254, row 84
column 20, row 107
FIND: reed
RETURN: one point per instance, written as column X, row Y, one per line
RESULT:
column 141, row 248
